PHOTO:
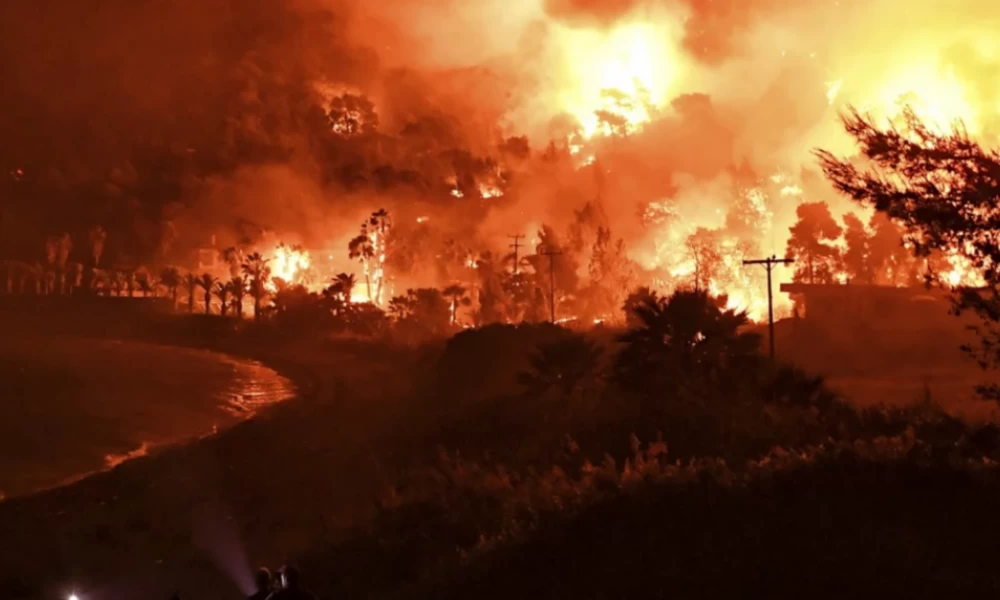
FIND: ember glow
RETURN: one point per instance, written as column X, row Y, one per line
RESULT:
column 472, row 122
column 289, row 264
column 626, row 71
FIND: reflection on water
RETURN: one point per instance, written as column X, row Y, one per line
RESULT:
column 72, row 406
column 113, row 460
column 252, row 387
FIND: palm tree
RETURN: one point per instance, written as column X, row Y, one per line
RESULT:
column 190, row 284
column 129, row 280
column 171, row 279
column 207, row 283
column 685, row 337
column 117, row 282
column 146, row 284
column 566, row 370
column 233, row 257
column 255, row 268
column 456, row 294
column 97, row 237
column 222, row 292
column 238, row 288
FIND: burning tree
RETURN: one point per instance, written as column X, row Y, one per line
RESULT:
column 457, row 297
column 889, row 260
column 57, row 249
column 703, row 251
column 351, row 115
column 612, row 273
column 942, row 187
column 97, row 237
column 857, row 256
column 812, row 243
column 371, row 248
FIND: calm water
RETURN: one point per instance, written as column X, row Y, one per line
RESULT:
column 72, row 406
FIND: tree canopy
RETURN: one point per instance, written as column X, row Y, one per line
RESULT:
column 942, row 189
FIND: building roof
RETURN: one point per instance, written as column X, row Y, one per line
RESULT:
column 845, row 289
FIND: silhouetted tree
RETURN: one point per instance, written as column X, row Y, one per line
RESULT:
column 233, row 257
column 890, row 261
column 128, row 278
column 190, row 284
column 420, row 314
column 170, row 278
column 97, row 237
column 222, row 290
column 687, row 337
column 703, row 250
column 117, row 281
column 207, row 283
column 238, row 288
column 857, row 256
column 146, row 284
column 491, row 292
column 640, row 296
column 256, row 270
column 346, row 283
column 942, row 188
column 812, row 243
column 567, row 369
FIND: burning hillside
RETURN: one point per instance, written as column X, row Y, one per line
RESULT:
column 648, row 143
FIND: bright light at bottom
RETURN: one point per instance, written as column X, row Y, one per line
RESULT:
column 72, row 597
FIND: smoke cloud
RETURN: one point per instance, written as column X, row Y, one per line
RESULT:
column 211, row 118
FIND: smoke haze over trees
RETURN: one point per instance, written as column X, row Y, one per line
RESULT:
column 173, row 124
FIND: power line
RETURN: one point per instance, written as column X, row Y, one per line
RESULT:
column 516, row 246
column 552, row 254
column 769, row 264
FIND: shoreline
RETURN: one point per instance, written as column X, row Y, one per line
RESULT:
column 295, row 386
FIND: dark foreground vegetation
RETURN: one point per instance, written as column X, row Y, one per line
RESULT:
column 670, row 458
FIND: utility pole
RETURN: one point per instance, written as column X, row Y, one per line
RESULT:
column 516, row 246
column 552, row 254
column 769, row 264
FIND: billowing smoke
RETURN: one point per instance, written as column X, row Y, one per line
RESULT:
column 175, row 124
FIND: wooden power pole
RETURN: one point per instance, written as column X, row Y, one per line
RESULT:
column 516, row 246
column 552, row 254
column 769, row 264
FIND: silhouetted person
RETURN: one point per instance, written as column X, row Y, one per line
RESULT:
column 290, row 589
column 262, row 581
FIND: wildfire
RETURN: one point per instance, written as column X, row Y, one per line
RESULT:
column 289, row 263
column 625, row 72
column 962, row 272
column 490, row 191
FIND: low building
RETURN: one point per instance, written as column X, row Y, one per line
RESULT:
column 872, row 306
